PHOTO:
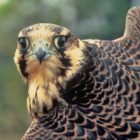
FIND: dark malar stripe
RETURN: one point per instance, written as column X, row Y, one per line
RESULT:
column 22, row 65
column 66, row 62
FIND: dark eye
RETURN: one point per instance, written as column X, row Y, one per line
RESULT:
column 24, row 43
column 60, row 41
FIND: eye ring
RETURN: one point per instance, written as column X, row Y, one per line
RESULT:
column 24, row 43
column 59, row 41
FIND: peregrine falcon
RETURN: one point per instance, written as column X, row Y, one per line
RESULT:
column 81, row 89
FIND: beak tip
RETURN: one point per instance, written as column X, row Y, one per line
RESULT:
column 40, row 54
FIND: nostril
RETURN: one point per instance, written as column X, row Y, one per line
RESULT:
column 46, row 45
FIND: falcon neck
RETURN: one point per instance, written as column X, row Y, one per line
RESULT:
column 42, row 96
column 84, row 81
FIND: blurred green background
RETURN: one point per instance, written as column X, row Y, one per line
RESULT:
column 85, row 18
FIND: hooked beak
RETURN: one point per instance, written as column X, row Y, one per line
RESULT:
column 40, row 54
column 42, row 51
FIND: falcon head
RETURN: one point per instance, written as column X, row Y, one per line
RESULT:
column 47, row 55
column 47, row 49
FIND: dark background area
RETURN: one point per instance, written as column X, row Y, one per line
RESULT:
column 85, row 18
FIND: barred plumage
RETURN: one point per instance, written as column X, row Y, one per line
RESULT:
column 83, row 89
